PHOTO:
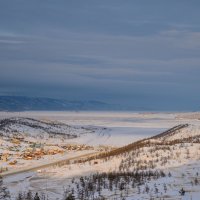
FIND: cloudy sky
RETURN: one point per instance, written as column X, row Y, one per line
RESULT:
column 135, row 52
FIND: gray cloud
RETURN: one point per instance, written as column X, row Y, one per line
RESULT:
column 132, row 52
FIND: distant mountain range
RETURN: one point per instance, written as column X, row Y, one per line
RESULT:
column 23, row 103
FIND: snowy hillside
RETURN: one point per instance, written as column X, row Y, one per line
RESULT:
column 26, row 142
column 187, row 132
column 154, row 168
column 28, row 127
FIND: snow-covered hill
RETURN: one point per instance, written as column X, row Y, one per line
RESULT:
column 153, row 168
column 28, row 127
column 186, row 132
column 173, row 154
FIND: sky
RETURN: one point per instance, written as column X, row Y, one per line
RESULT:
column 136, row 52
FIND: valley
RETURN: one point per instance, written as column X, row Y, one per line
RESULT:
column 123, row 155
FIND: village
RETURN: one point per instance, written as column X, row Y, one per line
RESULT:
column 16, row 152
column 20, row 150
column 28, row 142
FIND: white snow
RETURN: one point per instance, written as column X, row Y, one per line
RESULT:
column 181, row 160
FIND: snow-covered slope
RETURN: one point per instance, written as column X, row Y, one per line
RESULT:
column 180, row 133
column 188, row 132
column 28, row 127
column 175, row 152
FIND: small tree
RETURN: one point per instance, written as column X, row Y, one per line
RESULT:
column 147, row 189
column 196, row 181
column 182, row 192
column 70, row 197
column 29, row 196
column 36, row 196
column 165, row 187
